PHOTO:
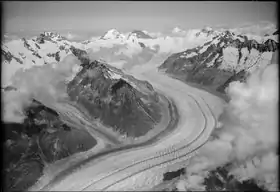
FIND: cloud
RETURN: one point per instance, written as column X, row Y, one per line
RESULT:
column 45, row 83
column 73, row 36
column 248, row 138
column 155, row 34
column 14, row 103
column 260, row 28
column 9, row 37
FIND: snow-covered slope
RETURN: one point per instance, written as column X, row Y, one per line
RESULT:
column 124, row 50
column 112, row 34
column 225, row 56
column 24, row 53
column 137, row 39
column 141, row 34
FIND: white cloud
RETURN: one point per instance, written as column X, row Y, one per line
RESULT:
column 249, row 136
column 73, row 36
column 45, row 83
column 261, row 28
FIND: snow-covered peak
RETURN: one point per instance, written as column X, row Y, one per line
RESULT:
column 229, row 51
column 112, row 34
column 207, row 31
column 51, row 35
column 141, row 34
column 48, row 34
column 123, row 48
column 145, row 31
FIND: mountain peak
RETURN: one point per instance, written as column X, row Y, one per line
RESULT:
column 207, row 31
column 113, row 30
column 112, row 34
column 141, row 34
column 50, row 34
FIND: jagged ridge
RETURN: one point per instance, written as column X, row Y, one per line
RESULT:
column 225, row 58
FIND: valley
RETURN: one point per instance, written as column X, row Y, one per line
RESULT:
column 189, row 136
column 121, row 110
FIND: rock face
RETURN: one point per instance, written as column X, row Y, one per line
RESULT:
column 80, row 54
column 40, row 140
column 121, row 102
column 49, row 36
column 225, row 58
column 8, row 57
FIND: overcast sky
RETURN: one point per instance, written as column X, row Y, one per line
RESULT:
column 147, row 15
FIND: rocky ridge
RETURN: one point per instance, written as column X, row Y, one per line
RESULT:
column 127, row 105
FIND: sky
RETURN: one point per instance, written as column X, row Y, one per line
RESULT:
column 96, row 17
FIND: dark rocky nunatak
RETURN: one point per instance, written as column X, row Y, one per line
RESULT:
column 114, row 100
column 40, row 140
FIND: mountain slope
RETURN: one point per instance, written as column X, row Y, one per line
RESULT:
column 41, row 139
column 120, row 102
column 226, row 57
column 123, row 104
column 120, row 50
column 47, row 48
column 127, row 105
column 141, row 34
column 203, row 53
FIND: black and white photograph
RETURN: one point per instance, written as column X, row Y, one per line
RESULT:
column 140, row 96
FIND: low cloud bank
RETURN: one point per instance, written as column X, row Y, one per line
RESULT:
column 248, row 136
column 45, row 83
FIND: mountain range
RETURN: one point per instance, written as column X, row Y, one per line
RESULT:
column 226, row 57
column 230, row 50
column 117, row 101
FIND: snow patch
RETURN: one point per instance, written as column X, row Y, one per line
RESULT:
column 230, row 58
column 204, row 48
column 114, row 75
column 188, row 55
